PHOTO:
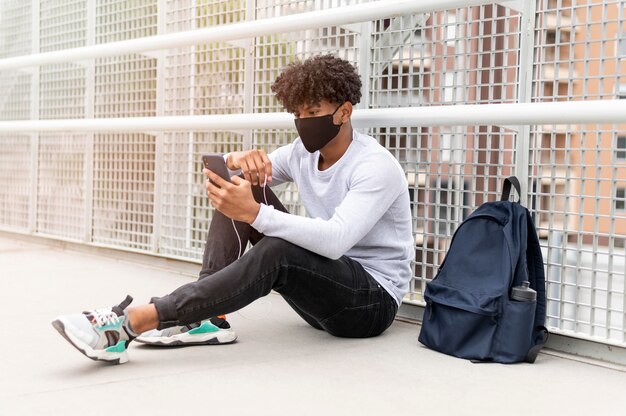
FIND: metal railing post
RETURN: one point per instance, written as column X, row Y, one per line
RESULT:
column 365, row 59
column 190, row 162
column 249, row 82
column 159, row 137
column 527, row 43
column 34, row 115
column 90, row 93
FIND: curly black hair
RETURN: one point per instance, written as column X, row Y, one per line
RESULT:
column 322, row 77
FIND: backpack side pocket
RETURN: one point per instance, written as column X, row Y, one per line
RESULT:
column 514, row 335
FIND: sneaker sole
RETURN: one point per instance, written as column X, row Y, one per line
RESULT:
column 86, row 350
column 211, row 338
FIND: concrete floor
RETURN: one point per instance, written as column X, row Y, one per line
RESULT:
column 279, row 366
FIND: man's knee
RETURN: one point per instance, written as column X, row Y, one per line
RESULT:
column 281, row 253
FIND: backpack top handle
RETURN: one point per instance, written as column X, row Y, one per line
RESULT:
column 506, row 188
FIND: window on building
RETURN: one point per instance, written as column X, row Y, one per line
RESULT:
column 620, row 152
column 620, row 199
column 621, row 91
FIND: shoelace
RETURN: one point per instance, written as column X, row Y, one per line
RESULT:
column 105, row 316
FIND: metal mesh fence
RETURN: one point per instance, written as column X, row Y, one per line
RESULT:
column 61, row 190
column 60, row 178
column 15, row 85
column 17, row 31
column 15, row 104
column 123, row 194
column 15, row 177
column 144, row 191
column 576, row 170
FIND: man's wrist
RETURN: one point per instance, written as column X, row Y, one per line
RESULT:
column 254, row 214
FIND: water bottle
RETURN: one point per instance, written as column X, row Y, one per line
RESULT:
column 523, row 293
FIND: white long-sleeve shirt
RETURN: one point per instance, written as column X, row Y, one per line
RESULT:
column 358, row 207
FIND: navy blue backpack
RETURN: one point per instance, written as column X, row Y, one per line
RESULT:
column 470, row 308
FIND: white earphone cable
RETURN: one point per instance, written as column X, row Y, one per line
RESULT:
column 235, row 228
column 240, row 253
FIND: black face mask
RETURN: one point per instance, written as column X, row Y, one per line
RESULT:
column 316, row 132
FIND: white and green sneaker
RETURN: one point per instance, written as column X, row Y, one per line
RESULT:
column 209, row 332
column 100, row 334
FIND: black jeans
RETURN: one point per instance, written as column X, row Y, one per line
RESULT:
column 337, row 296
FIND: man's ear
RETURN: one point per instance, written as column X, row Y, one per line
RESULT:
column 346, row 112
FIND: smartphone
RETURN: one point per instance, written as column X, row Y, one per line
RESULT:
column 215, row 163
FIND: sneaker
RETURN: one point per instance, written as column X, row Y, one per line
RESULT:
column 210, row 332
column 100, row 334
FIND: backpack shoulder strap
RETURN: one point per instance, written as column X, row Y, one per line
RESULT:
column 536, row 271
column 536, row 276
column 506, row 188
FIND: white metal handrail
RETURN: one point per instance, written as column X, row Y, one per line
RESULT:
column 572, row 112
column 243, row 30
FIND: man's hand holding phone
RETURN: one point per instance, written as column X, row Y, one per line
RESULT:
column 232, row 198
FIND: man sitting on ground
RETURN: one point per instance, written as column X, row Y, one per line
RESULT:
column 344, row 269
